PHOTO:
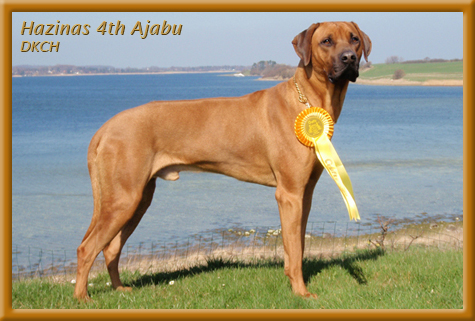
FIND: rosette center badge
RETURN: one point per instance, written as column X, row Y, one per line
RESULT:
column 314, row 128
column 311, row 124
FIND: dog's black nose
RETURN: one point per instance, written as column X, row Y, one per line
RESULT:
column 348, row 57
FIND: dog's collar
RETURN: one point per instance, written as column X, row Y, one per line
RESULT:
column 302, row 97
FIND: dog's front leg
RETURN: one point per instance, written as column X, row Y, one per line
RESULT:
column 293, row 216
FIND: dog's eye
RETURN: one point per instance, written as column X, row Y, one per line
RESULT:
column 355, row 39
column 326, row 41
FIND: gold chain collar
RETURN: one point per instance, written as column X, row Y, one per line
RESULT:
column 302, row 97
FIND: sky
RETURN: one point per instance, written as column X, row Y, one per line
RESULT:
column 231, row 38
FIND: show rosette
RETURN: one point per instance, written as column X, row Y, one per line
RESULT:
column 314, row 128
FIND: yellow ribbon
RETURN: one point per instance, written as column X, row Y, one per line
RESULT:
column 314, row 127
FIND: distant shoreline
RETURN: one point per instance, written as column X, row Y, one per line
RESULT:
column 359, row 81
column 397, row 82
column 404, row 82
column 126, row 73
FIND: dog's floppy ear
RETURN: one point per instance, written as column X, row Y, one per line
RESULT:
column 303, row 43
column 366, row 42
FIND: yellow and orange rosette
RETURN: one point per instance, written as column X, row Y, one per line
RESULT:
column 314, row 128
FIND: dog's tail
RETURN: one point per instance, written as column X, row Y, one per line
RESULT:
column 95, row 181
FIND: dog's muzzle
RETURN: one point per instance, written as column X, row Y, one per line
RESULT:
column 345, row 67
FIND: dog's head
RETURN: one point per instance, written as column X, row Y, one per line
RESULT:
column 333, row 48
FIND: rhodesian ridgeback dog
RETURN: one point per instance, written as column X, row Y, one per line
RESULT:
column 250, row 138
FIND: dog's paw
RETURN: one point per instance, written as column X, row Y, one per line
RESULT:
column 311, row 295
column 124, row 289
column 84, row 299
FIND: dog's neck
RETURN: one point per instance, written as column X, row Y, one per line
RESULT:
column 319, row 91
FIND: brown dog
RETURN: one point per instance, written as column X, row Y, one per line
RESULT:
column 250, row 138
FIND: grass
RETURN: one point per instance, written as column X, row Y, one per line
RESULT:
column 420, row 278
column 416, row 71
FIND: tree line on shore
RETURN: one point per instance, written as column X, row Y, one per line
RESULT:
column 28, row 70
column 265, row 68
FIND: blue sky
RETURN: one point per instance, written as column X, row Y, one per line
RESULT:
column 235, row 38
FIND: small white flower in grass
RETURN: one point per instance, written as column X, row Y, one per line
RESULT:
column 223, row 284
column 171, row 282
column 73, row 281
column 108, row 283
column 91, row 284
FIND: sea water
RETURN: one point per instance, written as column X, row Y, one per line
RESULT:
column 402, row 148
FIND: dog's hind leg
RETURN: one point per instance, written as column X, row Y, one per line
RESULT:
column 109, row 223
column 113, row 250
column 116, row 201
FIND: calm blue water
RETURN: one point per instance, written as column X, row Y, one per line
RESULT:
column 402, row 147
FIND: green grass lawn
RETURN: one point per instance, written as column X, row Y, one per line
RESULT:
column 416, row 71
column 420, row 278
